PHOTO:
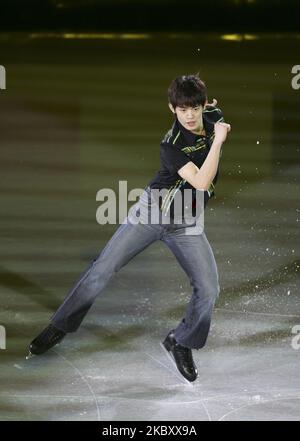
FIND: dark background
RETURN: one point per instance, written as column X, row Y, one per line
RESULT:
column 154, row 15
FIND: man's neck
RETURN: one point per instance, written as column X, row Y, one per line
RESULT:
column 198, row 131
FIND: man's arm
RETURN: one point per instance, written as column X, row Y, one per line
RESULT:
column 201, row 178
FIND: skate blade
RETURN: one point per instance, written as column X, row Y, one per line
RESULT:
column 29, row 356
column 178, row 374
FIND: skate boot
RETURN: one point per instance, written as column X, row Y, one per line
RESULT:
column 48, row 338
column 182, row 356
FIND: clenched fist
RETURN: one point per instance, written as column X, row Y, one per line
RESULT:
column 221, row 131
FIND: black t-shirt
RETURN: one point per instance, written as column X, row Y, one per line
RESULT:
column 178, row 147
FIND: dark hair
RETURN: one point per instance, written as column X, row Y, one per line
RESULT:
column 187, row 90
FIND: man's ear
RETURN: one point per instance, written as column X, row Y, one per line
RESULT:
column 205, row 104
column 171, row 108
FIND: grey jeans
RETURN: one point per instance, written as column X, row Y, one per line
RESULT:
column 193, row 253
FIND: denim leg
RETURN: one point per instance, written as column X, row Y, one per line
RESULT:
column 127, row 242
column 195, row 256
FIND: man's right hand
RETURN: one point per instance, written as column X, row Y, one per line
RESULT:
column 221, row 131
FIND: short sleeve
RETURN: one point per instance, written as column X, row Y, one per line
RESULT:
column 172, row 158
column 219, row 117
column 213, row 114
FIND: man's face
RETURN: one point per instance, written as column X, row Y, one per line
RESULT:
column 189, row 117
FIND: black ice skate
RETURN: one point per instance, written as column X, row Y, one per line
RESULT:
column 182, row 356
column 48, row 338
